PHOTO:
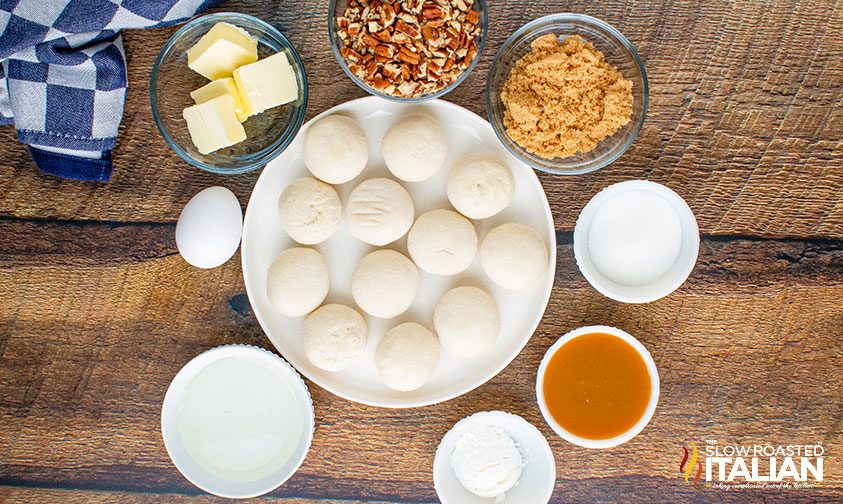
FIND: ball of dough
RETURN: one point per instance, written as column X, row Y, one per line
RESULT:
column 480, row 186
column 442, row 242
column 385, row 283
column 406, row 356
column 513, row 256
column 467, row 321
column 310, row 210
column 415, row 147
column 334, row 335
column 297, row 281
column 380, row 211
column 335, row 149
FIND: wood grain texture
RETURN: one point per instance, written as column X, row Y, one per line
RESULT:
column 749, row 350
column 744, row 119
column 98, row 312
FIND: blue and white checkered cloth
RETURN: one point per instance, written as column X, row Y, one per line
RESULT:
column 63, row 75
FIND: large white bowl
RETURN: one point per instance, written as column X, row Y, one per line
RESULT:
column 521, row 311
column 648, row 412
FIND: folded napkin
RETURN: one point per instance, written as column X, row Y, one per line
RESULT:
column 63, row 75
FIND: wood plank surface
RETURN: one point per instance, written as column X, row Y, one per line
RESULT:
column 99, row 312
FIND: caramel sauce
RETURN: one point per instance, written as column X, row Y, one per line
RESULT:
column 596, row 386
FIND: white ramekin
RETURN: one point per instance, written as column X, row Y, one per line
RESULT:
column 642, row 422
column 537, row 479
column 668, row 282
column 190, row 469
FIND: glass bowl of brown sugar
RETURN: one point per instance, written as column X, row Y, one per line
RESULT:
column 567, row 94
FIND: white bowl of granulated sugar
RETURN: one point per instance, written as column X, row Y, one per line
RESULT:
column 636, row 241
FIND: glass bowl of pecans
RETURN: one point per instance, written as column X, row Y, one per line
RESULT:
column 408, row 50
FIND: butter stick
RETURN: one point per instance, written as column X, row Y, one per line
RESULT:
column 220, row 87
column 266, row 83
column 224, row 48
column 213, row 124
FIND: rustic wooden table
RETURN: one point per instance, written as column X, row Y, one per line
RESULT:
column 99, row 312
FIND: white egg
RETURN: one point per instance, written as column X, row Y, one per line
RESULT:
column 209, row 228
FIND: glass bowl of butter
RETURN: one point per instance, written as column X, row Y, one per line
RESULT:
column 228, row 93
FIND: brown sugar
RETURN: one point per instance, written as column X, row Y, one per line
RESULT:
column 563, row 98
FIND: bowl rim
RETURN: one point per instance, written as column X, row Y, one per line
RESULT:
column 687, row 219
column 272, row 151
column 193, row 367
column 484, row 17
column 652, row 370
column 589, row 20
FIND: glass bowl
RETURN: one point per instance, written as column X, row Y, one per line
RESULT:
column 618, row 52
column 267, row 134
column 337, row 9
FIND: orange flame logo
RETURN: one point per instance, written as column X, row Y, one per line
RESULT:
column 686, row 467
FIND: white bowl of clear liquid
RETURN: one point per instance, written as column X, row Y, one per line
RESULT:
column 237, row 421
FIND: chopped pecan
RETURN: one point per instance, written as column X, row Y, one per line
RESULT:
column 370, row 40
column 384, row 35
column 406, row 29
column 351, row 55
column 433, row 13
column 371, row 67
column 391, row 71
column 385, row 50
column 387, row 14
column 408, row 88
column 380, row 83
column 408, row 56
column 408, row 17
column 429, row 33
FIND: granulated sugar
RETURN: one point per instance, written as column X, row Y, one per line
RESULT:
column 634, row 238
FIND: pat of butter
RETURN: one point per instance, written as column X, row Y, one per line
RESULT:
column 213, row 124
column 220, row 87
column 221, row 50
column 267, row 83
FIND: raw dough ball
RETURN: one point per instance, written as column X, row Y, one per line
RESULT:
column 415, row 147
column 442, row 242
column 297, row 281
column 334, row 335
column 406, row 356
column 467, row 321
column 335, row 149
column 310, row 210
column 380, row 211
column 513, row 256
column 385, row 283
column 480, row 186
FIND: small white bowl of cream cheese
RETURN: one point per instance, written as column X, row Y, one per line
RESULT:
column 636, row 241
column 494, row 457
column 237, row 421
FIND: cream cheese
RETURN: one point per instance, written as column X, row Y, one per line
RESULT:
column 487, row 462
